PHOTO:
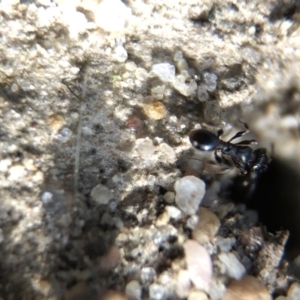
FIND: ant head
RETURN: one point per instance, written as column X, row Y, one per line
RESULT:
column 204, row 140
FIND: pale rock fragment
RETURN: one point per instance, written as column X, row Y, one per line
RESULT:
column 234, row 268
column 165, row 72
column 199, row 264
column 248, row 288
column 101, row 194
column 112, row 15
column 183, row 285
column 133, row 290
column 145, row 148
column 189, row 193
column 207, row 227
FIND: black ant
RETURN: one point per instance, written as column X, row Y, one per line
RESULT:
column 243, row 157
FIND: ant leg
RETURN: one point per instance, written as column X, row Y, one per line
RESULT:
column 237, row 135
column 226, row 161
column 217, row 157
column 221, row 159
column 239, row 165
column 247, row 142
column 220, row 132
column 240, row 133
column 245, row 124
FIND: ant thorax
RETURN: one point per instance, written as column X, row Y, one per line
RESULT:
column 244, row 158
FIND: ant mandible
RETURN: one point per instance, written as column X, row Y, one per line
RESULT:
column 243, row 157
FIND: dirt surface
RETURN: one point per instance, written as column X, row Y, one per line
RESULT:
column 92, row 142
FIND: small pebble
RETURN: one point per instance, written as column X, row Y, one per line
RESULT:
column 200, row 12
column 192, row 222
column 183, row 284
column 185, row 86
column 197, row 295
column 122, row 238
column 177, row 56
column 54, row 202
column 189, row 193
column 145, row 148
column 248, row 288
column 199, row 264
column 162, row 219
column 169, row 197
column 43, row 286
column 46, row 197
column 64, row 135
column 207, row 226
column 182, row 65
column 202, row 93
column 141, row 74
column 166, row 279
column 134, row 253
column 165, row 71
column 217, row 289
column 16, row 173
column 112, row 15
column 285, row 27
column 101, row 194
column 133, row 290
column 14, row 88
column 112, row 205
column 38, row 177
column 294, row 291
column 5, row 164
column 135, row 124
column 29, row 164
column 210, row 80
column 147, row 275
column 226, row 244
column 76, row 21
column 74, row 70
column 157, row 92
column 164, row 234
column 130, row 66
column 119, row 54
column 155, row 110
column 247, row 262
column 166, row 153
column 233, row 266
column 110, row 260
column 174, row 212
column 157, row 292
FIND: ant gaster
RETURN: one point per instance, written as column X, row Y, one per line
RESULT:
column 243, row 157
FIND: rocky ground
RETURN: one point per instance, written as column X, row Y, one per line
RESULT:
column 100, row 188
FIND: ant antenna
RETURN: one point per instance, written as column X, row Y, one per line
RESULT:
column 78, row 136
column 79, row 130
